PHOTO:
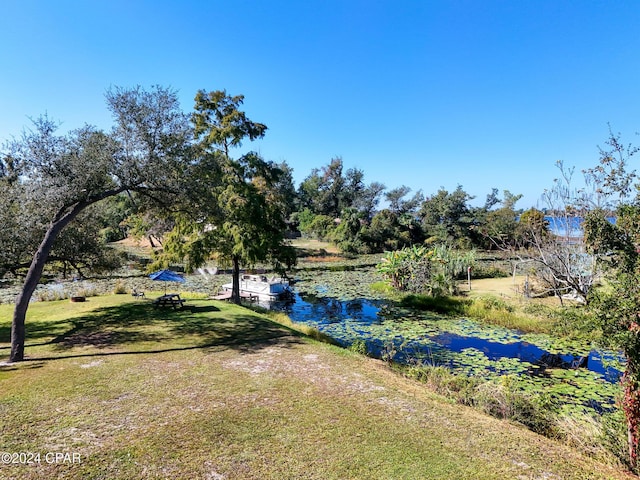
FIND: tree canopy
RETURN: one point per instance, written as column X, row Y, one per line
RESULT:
column 56, row 177
column 616, row 246
column 236, row 209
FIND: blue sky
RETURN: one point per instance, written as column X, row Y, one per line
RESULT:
column 426, row 94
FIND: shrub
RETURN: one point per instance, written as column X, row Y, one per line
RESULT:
column 574, row 321
column 119, row 288
column 614, row 436
column 504, row 400
column 482, row 271
column 419, row 269
column 359, row 346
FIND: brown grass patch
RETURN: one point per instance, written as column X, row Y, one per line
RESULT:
column 506, row 288
column 322, row 259
column 134, row 242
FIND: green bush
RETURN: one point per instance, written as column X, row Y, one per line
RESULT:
column 419, row 269
column 482, row 271
column 359, row 346
column 447, row 305
column 574, row 321
column 119, row 288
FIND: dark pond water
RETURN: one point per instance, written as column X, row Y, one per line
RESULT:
column 412, row 336
column 530, row 353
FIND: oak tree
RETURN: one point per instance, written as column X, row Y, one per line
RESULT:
column 65, row 174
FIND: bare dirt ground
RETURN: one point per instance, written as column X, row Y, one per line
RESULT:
column 507, row 288
column 503, row 287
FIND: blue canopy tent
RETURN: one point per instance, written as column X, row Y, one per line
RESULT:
column 167, row 276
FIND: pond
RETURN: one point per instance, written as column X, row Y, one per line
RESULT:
column 576, row 375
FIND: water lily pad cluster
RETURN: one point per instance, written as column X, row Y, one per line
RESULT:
column 570, row 372
column 346, row 284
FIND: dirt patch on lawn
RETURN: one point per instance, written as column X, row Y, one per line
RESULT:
column 511, row 288
column 134, row 242
column 503, row 287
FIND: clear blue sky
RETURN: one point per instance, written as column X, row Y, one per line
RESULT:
column 427, row 93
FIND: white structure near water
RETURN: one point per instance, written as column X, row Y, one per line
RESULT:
column 262, row 287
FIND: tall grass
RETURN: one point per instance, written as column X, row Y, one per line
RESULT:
column 53, row 295
column 307, row 330
column 498, row 312
column 500, row 399
column 602, row 437
column 485, row 308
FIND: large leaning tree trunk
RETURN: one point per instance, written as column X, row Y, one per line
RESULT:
column 18, row 331
column 147, row 152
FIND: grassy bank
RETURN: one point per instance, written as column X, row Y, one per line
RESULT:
column 220, row 392
column 493, row 301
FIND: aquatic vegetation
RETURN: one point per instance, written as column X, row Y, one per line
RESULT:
column 344, row 284
column 334, row 263
column 421, row 344
column 341, row 305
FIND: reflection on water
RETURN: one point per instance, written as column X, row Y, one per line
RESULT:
column 314, row 309
column 347, row 321
column 527, row 352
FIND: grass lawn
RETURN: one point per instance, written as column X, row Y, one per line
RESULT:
column 216, row 391
column 506, row 288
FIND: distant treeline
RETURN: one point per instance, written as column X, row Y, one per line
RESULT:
column 337, row 205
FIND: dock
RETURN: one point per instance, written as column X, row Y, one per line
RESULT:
column 226, row 295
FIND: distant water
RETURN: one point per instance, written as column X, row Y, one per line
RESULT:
column 568, row 226
column 571, row 226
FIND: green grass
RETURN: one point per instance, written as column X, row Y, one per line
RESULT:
column 489, row 309
column 569, row 321
column 221, row 392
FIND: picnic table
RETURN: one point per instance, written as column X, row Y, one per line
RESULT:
column 169, row 300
